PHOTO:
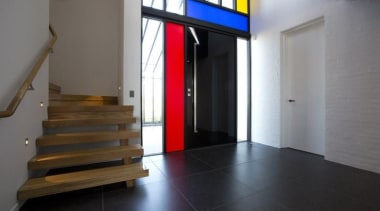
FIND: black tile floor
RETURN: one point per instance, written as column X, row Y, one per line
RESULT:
column 234, row 177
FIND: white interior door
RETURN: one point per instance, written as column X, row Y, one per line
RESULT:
column 304, row 87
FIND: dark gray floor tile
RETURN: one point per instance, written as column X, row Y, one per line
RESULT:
column 208, row 190
column 358, row 184
column 333, row 200
column 155, row 196
column 262, row 174
column 233, row 154
column 155, row 175
column 256, row 202
column 219, row 158
column 88, row 199
column 180, row 165
column 230, row 177
column 296, row 196
column 253, row 175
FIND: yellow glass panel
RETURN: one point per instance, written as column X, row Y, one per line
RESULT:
column 242, row 6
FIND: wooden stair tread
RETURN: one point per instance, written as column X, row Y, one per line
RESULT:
column 104, row 108
column 79, row 180
column 86, row 103
column 88, row 112
column 69, row 97
column 88, row 100
column 77, row 111
column 54, row 123
column 85, row 137
column 90, row 115
column 72, row 158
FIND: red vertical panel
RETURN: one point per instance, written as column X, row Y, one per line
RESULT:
column 175, row 86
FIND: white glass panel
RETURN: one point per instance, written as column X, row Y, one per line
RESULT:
column 175, row 6
column 228, row 3
column 156, row 4
column 152, row 86
column 213, row 1
column 242, row 89
column 144, row 25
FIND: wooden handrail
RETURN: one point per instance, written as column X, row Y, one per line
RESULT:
column 12, row 107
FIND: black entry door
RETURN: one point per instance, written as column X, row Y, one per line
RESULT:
column 210, row 89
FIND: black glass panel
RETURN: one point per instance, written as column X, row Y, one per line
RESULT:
column 216, row 90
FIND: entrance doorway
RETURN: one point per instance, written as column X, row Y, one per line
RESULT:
column 190, row 95
column 303, row 87
column 210, row 83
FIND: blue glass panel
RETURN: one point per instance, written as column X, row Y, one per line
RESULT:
column 208, row 13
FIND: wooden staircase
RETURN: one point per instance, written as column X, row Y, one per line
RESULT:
column 73, row 113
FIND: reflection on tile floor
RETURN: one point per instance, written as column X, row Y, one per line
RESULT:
column 152, row 139
column 240, row 176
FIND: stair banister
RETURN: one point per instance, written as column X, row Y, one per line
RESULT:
column 12, row 107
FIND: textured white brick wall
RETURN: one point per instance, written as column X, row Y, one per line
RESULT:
column 353, row 85
column 352, row 74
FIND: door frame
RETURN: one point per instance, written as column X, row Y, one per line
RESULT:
column 284, row 79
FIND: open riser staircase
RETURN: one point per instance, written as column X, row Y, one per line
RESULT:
column 70, row 117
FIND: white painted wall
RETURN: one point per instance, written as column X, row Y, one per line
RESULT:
column 131, row 71
column 86, row 58
column 24, row 33
column 352, row 74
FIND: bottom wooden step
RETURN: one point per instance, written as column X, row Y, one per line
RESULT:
column 79, row 180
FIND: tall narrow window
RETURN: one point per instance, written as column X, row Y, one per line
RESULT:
column 242, row 89
column 175, row 6
column 213, row 1
column 156, row 4
column 242, row 6
column 174, row 87
column 228, row 4
column 152, row 85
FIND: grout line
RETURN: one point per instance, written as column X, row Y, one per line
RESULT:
column 169, row 181
column 184, row 176
column 204, row 162
column 228, row 165
column 160, row 170
column 103, row 199
column 214, row 169
column 183, row 196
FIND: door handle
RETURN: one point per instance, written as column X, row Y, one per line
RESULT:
column 291, row 101
column 195, row 89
